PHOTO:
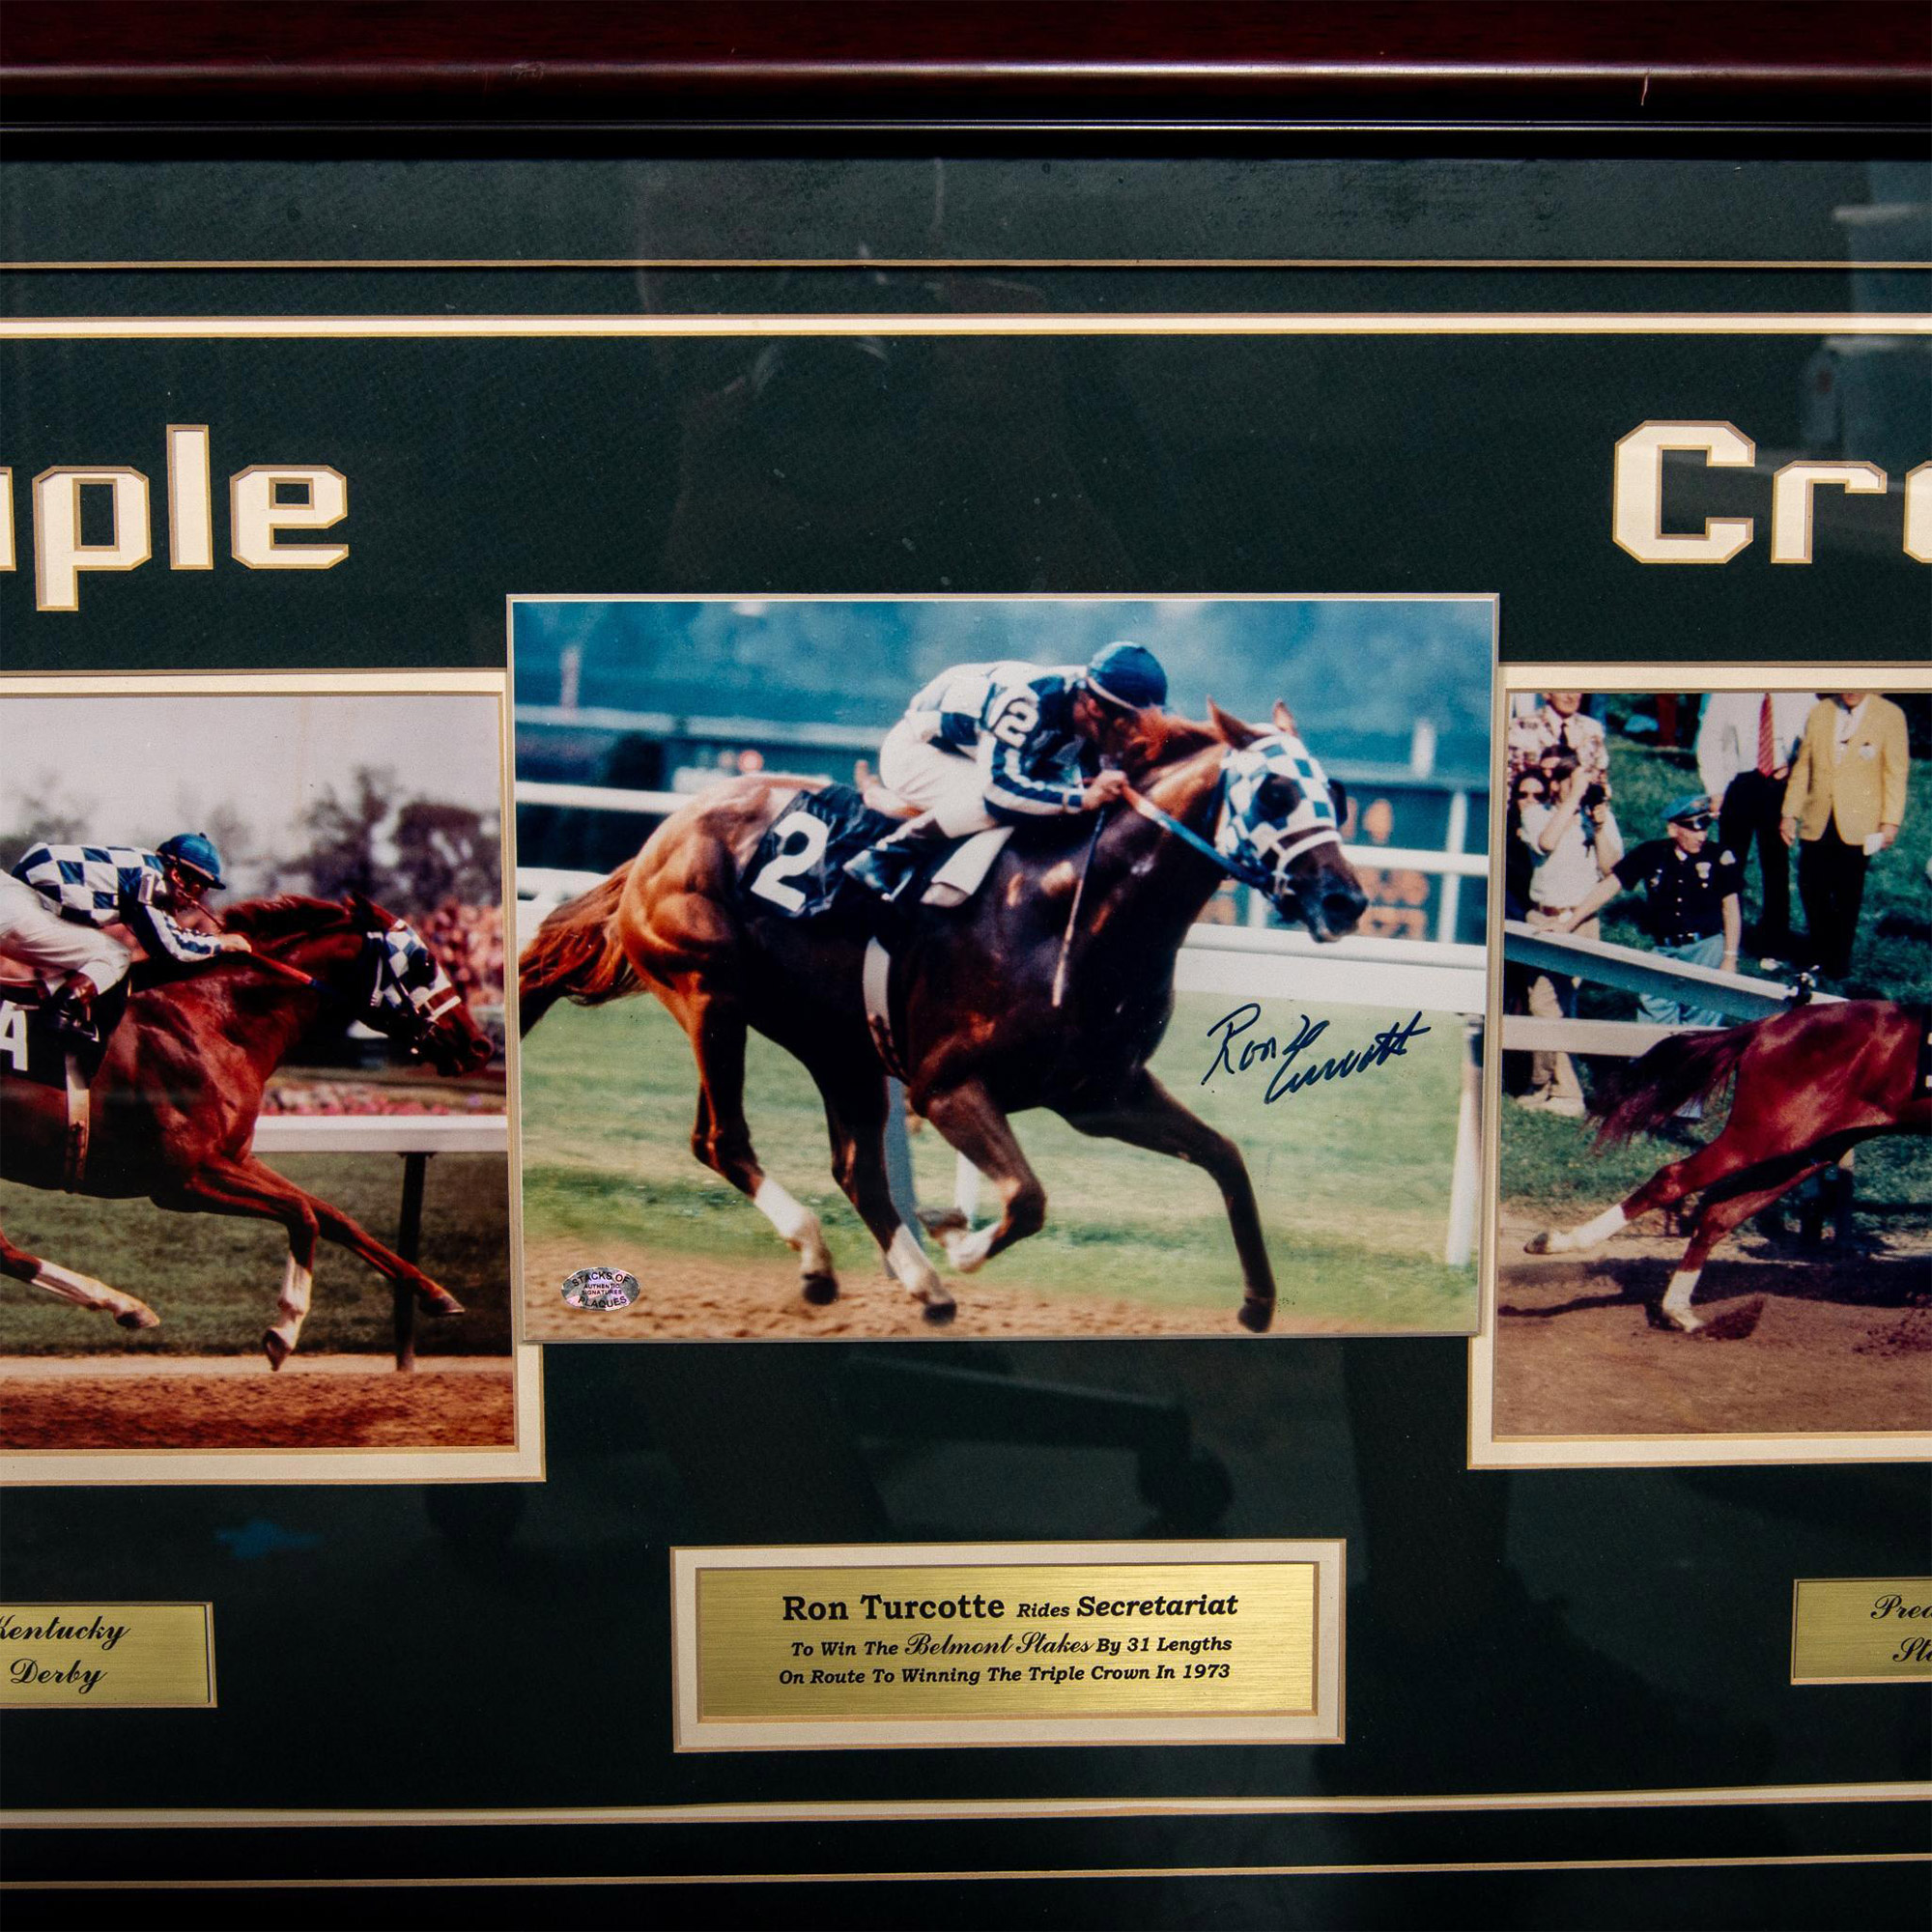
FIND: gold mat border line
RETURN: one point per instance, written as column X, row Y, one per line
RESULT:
column 1200, row 323
column 1721, row 1862
column 913, row 1810
column 330, row 265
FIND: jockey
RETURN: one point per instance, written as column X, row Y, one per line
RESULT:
column 993, row 743
column 58, row 900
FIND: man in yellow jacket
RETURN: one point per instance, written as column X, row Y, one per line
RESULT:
column 1844, row 802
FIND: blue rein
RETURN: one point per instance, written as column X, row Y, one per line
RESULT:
column 1244, row 874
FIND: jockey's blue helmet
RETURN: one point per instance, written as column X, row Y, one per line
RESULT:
column 1128, row 674
column 195, row 852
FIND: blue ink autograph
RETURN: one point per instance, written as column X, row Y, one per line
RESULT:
column 1236, row 1054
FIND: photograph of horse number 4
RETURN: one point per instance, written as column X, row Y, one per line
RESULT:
column 1714, row 1209
column 254, row 1145
column 1001, row 967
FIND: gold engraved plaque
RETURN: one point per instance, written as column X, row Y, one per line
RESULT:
column 1008, row 1643
column 1861, row 1630
column 106, row 1657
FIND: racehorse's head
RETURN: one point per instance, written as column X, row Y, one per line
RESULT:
column 1280, row 824
column 410, row 997
column 375, row 963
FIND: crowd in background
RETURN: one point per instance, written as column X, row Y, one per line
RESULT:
column 1781, row 774
column 469, row 942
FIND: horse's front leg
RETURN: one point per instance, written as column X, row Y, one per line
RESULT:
column 71, row 1285
column 973, row 1122
column 245, row 1188
column 249, row 1191
column 1148, row 1116
column 857, row 1110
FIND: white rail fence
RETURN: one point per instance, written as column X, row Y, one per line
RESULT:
column 1737, row 996
column 1452, row 864
column 416, row 1138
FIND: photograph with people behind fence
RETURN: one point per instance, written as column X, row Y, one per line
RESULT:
column 252, row 1092
column 1715, row 1215
column 1024, row 966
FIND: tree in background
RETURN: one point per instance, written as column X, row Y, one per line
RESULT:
column 50, row 814
column 342, row 856
column 444, row 852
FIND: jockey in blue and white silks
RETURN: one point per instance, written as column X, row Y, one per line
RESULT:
column 997, row 744
column 58, row 901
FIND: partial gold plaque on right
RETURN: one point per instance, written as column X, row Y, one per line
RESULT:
column 1861, row 1630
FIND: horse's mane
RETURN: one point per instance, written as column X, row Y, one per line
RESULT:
column 1159, row 740
column 287, row 915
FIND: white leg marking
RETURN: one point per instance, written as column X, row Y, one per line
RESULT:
column 1590, row 1235
column 83, row 1289
column 1677, row 1300
column 797, row 1223
column 291, row 1312
column 968, row 1252
column 915, row 1274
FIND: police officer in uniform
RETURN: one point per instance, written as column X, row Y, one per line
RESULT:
column 1692, row 911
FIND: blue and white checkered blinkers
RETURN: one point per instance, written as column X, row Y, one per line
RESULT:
column 408, row 978
column 1275, row 805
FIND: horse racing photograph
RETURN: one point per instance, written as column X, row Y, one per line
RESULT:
column 254, row 1149
column 1714, row 1214
column 1028, row 966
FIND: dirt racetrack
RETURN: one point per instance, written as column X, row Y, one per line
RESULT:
column 704, row 1298
column 1820, row 1344
column 235, row 1403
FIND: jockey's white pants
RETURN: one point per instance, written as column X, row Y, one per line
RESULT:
column 31, row 930
column 936, row 778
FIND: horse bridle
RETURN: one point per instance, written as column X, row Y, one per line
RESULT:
column 364, row 995
column 1236, row 869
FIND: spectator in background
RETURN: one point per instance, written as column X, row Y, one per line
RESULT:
column 1845, row 802
column 1745, row 745
column 1691, row 907
column 1573, row 841
column 1560, row 724
column 1518, row 862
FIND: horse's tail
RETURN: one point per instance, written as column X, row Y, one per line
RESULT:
column 1684, row 1068
column 576, row 955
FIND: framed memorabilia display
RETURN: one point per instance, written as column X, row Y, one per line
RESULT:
column 947, row 973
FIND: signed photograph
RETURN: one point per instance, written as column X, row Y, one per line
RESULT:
column 1039, row 967
column 1715, row 1190
column 253, row 1123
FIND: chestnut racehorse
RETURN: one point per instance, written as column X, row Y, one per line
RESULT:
column 978, row 1033
column 1810, row 1084
column 174, row 1102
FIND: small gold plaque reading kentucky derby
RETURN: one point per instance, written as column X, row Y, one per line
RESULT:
column 1861, row 1630
column 106, row 1657
column 988, row 1644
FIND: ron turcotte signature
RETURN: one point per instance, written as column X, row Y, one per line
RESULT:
column 1291, row 1062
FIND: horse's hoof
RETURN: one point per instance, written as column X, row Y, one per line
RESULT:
column 138, row 1318
column 939, row 1313
column 968, row 1253
column 277, row 1349
column 1256, row 1314
column 441, row 1303
column 1670, row 1322
column 1537, row 1245
column 819, row 1290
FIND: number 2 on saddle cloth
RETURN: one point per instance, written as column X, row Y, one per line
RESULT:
column 799, row 867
